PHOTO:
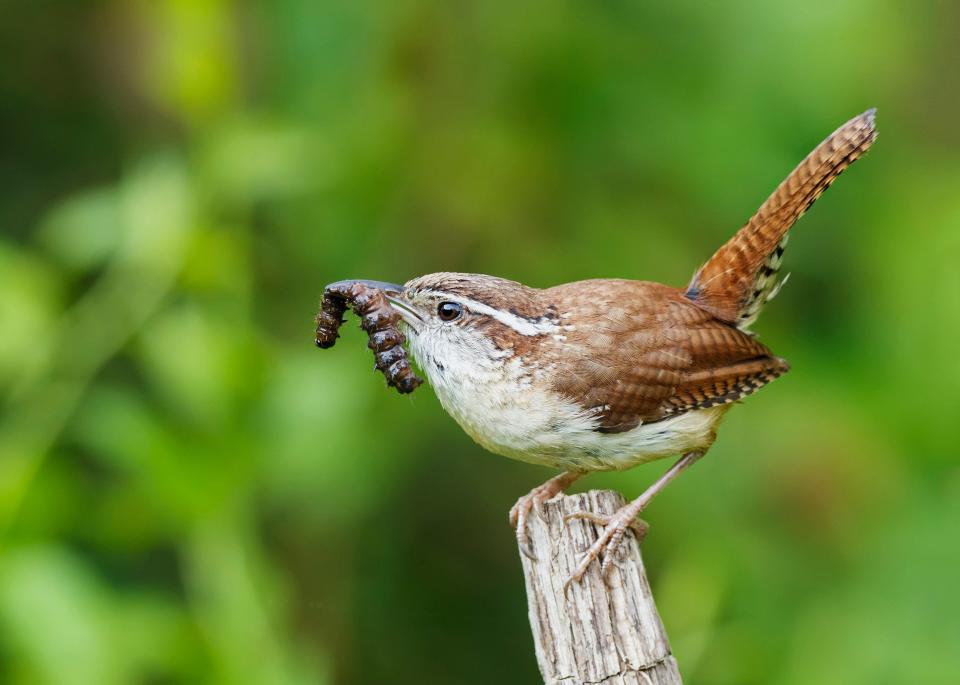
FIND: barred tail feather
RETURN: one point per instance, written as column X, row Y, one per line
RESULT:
column 741, row 276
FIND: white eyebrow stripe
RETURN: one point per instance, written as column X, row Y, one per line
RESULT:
column 517, row 323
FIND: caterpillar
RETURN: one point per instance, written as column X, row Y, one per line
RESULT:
column 378, row 319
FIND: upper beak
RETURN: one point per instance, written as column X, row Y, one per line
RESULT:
column 388, row 288
column 394, row 294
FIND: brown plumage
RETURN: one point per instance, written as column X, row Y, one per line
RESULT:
column 647, row 352
column 601, row 374
column 740, row 277
column 636, row 352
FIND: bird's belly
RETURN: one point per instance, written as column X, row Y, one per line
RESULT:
column 596, row 451
column 542, row 428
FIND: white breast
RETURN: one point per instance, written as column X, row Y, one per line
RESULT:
column 495, row 399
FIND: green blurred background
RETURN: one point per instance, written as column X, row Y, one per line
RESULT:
column 190, row 492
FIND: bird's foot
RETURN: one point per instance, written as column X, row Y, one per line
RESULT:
column 614, row 529
column 615, row 525
column 533, row 501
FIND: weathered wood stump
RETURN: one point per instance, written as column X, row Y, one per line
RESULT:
column 599, row 632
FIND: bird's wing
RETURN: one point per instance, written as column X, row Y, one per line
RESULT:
column 659, row 355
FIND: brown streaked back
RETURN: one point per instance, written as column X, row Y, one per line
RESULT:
column 640, row 352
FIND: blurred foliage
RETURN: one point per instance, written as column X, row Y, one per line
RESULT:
column 189, row 492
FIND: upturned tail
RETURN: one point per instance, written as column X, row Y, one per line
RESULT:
column 741, row 276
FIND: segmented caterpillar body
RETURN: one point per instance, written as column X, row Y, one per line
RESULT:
column 378, row 319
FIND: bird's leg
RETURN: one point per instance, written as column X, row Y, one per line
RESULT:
column 520, row 512
column 615, row 525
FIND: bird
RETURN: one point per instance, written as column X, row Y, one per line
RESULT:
column 608, row 374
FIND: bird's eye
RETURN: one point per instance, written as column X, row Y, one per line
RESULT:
column 449, row 311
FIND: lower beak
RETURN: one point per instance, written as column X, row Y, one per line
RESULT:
column 409, row 315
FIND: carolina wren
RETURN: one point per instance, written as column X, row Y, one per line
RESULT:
column 608, row 374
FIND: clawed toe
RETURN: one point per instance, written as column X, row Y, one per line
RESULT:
column 519, row 514
column 533, row 501
column 640, row 529
column 596, row 519
column 513, row 516
column 606, row 546
column 639, row 526
column 615, row 526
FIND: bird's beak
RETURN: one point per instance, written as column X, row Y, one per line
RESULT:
column 407, row 311
column 387, row 288
column 394, row 294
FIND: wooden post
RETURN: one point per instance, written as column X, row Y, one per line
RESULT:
column 605, row 633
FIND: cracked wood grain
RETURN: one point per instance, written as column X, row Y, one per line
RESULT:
column 599, row 633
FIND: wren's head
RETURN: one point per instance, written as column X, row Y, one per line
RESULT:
column 465, row 325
